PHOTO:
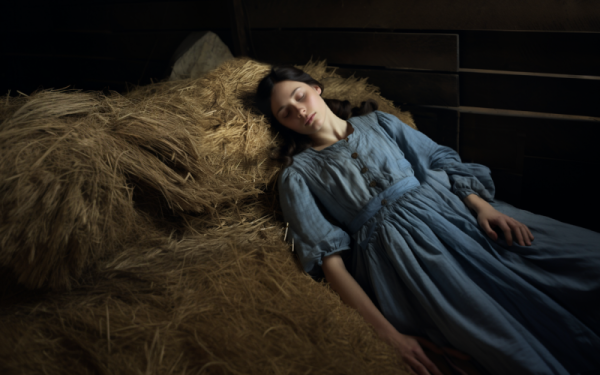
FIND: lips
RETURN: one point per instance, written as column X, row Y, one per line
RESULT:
column 309, row 119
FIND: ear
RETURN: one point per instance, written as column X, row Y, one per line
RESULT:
column 318, row 89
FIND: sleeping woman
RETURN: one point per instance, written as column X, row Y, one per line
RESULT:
column 413, row 239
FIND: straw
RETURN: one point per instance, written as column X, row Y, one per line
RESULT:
column 141, row 233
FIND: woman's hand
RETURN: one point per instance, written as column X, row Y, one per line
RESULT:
column 411, row 351
column 412, row 354
column 489, row 217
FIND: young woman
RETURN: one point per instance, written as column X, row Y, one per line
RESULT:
column 403, row 231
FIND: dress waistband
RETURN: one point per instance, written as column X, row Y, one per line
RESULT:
column 390, row 194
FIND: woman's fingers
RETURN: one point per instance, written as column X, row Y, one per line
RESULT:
column 431, row 367
column 417, row 358
column 520, row 231
column 525, row 234
column 507, row 231
column 416, row 366
column 488, row 230
column 530, row 235
column 516, row 228
column 512, row 229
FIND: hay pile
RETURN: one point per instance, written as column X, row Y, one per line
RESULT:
column 141, row 233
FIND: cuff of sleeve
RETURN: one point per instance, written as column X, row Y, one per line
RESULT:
column 463, row 193
column 317, row 269
column 323, row 255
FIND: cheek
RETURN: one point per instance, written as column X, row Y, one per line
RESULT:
column 315, row 101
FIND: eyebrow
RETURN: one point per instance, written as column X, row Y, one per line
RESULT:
column 290, row 97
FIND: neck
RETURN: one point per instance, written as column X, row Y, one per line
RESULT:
column 334, row 129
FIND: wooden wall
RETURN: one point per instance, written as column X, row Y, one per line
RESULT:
column 510, row 84
column 95, row 44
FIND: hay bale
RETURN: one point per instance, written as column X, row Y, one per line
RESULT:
column 152, row 220
column 184, row 308
column 65, row 205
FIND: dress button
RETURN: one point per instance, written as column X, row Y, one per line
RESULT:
column 383, row 202
column 373, row 184
column 354, row 155
column 364, row 170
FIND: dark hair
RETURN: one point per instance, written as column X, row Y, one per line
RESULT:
column 294, row 143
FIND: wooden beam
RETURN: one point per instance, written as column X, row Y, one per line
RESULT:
column 438, row 52
column 549, row 15
column 527, row 51
column 572, row 95
column 411, row 87
column 503, row 141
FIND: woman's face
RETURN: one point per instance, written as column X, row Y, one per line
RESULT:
column 298, row 106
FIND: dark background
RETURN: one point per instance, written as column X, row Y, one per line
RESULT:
column 512, row 85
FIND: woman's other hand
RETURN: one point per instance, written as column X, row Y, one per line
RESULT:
column 489, row 217
column 409, row 348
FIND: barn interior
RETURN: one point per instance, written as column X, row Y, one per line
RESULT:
column 178, row 263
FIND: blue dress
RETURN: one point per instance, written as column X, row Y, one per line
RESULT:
column 390, row 200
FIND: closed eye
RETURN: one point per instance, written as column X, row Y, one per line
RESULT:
column 302, row 97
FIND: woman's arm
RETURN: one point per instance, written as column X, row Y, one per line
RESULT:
column 476, row 203
column 354, row 296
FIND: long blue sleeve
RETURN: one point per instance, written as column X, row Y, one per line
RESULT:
column 314, row 235
column 424, row 154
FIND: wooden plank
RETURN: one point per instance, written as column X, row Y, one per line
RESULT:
column 506, row 144
column 540, row 52
column 411, row 87
column 551, row 15
column 393, row 50
column 503, row 141
column 561, row 95
column 439, row 124
column 564, row 190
